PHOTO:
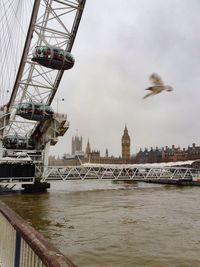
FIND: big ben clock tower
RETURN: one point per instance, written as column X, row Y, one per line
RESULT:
column 126, row 143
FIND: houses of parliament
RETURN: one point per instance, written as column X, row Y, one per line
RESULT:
column 154, row 155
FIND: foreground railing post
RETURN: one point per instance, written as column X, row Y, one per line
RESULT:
column 22, row 246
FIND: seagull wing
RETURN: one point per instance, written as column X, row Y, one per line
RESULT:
column 156, row 79
column 149, row 94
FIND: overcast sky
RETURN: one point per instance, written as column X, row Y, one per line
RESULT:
column 119, row 44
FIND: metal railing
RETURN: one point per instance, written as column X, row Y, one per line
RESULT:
column 115, row 172
column 22, row 246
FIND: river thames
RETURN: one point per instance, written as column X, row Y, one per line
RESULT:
column 100, row 223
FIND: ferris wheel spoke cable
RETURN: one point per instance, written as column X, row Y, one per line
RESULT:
column 5, row 46
column 13, row 22
column 7, row 49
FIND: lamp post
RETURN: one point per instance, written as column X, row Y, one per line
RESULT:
column 57, row 100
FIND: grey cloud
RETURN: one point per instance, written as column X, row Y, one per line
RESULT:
column 119, row 44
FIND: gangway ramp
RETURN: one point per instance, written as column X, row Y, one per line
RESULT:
column 140, row 172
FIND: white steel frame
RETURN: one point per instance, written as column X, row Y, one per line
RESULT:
column 116, row 172
column 55, row 23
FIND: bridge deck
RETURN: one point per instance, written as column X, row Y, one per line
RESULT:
column 118, row 172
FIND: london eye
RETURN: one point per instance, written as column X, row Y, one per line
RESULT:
column 36, row 43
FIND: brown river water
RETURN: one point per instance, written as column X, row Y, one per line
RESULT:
column 100, row 223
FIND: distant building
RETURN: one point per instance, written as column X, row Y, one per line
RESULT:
column 168, row 154
column 77, row 145
column 153, row 155
column 88, row 149
column 93, row 156
column 193, row 151
column 126, row 144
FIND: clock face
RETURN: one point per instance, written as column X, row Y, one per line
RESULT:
column 125, row 142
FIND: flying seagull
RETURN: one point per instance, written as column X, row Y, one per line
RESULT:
column 158, row 86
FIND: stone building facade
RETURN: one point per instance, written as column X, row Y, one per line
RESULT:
column 153, row 155
column 168, row 154
column 94, row 156
column 76, row 144
column 126, row 144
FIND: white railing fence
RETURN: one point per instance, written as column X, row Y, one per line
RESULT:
column 22, row 246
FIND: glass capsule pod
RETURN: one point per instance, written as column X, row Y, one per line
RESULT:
column 34, row 111
column 53, row 57
column 17, row 142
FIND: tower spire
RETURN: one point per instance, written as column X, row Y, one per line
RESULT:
column 126, row 142
column 88, row 149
